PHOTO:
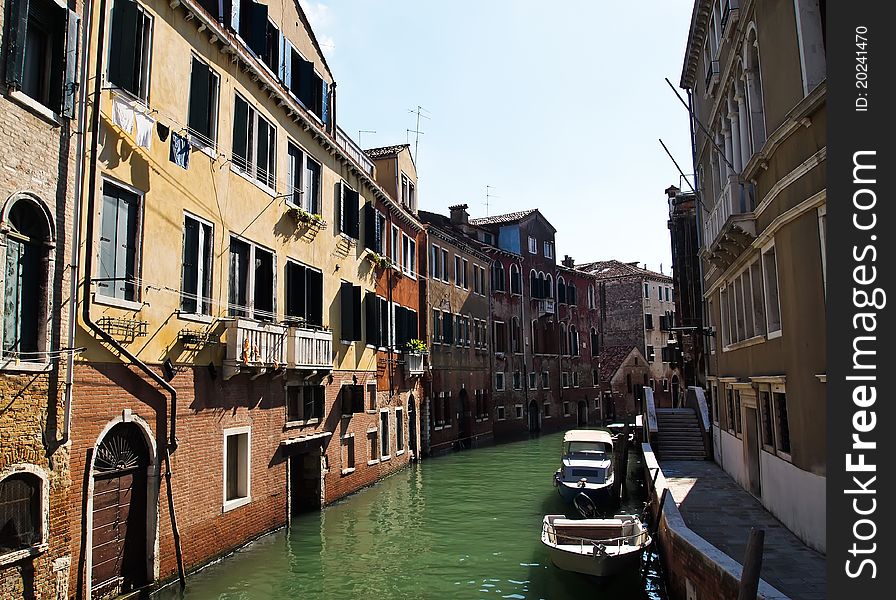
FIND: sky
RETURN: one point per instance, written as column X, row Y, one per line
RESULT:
column 556, row 108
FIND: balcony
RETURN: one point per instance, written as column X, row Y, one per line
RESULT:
column 413, row 364
column 353, row 150
column 712, row 75
column 730, row 11
column 730, row 226
column 254, row 347
column 546, row 307
column 309, row 348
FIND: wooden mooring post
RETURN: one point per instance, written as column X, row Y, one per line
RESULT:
column 749, row 576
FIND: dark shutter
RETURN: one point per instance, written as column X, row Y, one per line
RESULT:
column 412, row 325
column 240, row 132
column 561, row 292
column 346, row 311
column 264, row 285
column 371, row 332
column 369, row 226
column 356, row 312
column 448, row 327
column 15, row 42
column 318, row 392
column 340, row 206
column 70, row 90
column 306, row 82
column 401, row 339
column 352, row 213
column 295, row 290
column 314, row 297
column 190, row 276
column 254, row 26
column 123, row 51
column 325, row 102
column 383, row 323
column 200, row 90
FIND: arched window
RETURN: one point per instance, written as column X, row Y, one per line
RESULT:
column 516, row 284
column 754, row 95
column 28, row 264
column 548, row 286
column 571, row 294
column 564, row 339
column 515, row 335
column 561, row 290
column 591, row 301
column 595, row 342
column 541, row 285
column 536, row 345
column 22, row 503
column 499, row 281
column 573, row 340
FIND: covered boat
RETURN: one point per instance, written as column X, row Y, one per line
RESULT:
column 586, row 465
column 598, row 547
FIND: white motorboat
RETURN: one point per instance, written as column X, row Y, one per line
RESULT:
column 586, row 465
column 598, row 547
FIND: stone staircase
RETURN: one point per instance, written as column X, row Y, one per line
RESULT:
column 679, row 435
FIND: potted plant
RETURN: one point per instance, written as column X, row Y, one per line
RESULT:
column 415, row 346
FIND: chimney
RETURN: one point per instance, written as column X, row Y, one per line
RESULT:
column 459, row 214
column 568, row 261
column 672, row 191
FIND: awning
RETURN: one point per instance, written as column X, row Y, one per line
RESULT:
column 306, row 438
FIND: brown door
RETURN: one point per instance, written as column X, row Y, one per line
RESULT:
column 119, row 516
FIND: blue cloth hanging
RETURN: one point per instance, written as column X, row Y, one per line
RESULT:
column 180, row 150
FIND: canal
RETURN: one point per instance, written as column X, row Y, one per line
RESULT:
column 466, row 525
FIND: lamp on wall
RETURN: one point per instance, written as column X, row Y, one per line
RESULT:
column 168, row 369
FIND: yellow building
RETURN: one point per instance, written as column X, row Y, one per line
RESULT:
column 222, row 277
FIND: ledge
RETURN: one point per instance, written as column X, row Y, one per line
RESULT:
column 758, row 339
column 117, row 302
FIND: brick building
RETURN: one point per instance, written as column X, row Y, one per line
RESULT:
column 637, row 309
column 40, row 112
column 459, row 391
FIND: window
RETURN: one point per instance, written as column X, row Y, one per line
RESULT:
column 648, row 321
column 651, row 354
column 404, row 325
column 304, row 294
column 546, row 408
column 350, row 312
column 646, row 290
column 22, row 499
column 202, row 114
column 376, row 321
column 574, row 341
column 436, row 326
column 303, row 180
column 743, row 314
column 351, row 399
column 447, row 328
column 371, row 395
column 575, row 379
column 782, row 425
column 130, row 48
column 254, row 144
column 251, row 281
column 518, row 411
column 499, row 281
column 196, row 273
column 516, row 283
column 533, row 245
column 500, row 341
column 546, row 380
column 594, row 377
column 478, row 280
column 302, row 79
column 396, row 245
column 766, row 417
column 408, row 193
column 667, row 294
column 549, row 249
column 237, row 481
column 26, row 303
column 499, row 382
column 591, row 301
column 347, row 218
column 435, row 271
column 533, row 381
column 665, row 384
column 565, row 408
column 271, row 55
column 772, row 301
column 399, row 430
column 465, row 283
column 501, row 413
column 561, row 290
column 444, row 265
column 571, row 294
column 385, row 442
column 304, row 402
column 517, row 380
column 515, row 335
column 372, row 447
column 458, row 276
column 564, row 379
column 595, row 342
column 42, row 52
column 348, row 453
column 119, row 243
column 408, row 255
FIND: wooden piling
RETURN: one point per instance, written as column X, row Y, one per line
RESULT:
column 749, row 577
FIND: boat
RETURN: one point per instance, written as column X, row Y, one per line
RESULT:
column 597, row 547
column 586, row 465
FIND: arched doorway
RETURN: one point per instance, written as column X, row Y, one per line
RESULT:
column 412, row 425
column 534, row 422
column 119, row 512
column 582, row 420
column 464, row 430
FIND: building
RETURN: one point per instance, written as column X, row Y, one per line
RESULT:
column 459, row 391
column 225, row 275
column 755, row 73
column 637, row 308
column 41, row 115
column 686, row 285
column 622, row 372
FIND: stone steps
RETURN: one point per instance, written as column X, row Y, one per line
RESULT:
column 679, row 436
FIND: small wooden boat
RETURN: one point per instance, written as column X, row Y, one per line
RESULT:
column 598, row 547
column 586, row 465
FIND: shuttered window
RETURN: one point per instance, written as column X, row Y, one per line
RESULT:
column 251, row 281
column 349, row 211
column 118, row 265
column 350, row 309
column 131, row 48
column 252, row 25
column 304, row 294
column 203, row 110
column 254, row 144
column 20, row 512
column 374, row 226
column 24, row 298
column 273, row 46
column 196, row 276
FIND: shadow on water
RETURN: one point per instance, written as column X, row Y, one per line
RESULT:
column 466, row 525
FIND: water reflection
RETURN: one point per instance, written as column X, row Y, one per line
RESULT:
column 462, row 526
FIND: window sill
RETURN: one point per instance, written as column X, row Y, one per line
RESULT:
column 236, row 503
column 775, row 334
column 370, row 463
column 399, row 452
column 195, row 317
column 242, row 174
column 198, row 144
column 758, row 339
column 385, row 458
column 348, row 471
column 305, row 423
column 117, row 302
column 18, row 555
column 437, row 428
column 36, row 107
column 11, row 364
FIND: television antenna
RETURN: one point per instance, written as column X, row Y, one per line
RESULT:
column 360, row 131
column 488, row 196
column 416, row 130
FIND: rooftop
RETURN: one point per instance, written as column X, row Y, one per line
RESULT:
column 614, row 269
column 506, row 218
column 611, row 359
column 385, row 151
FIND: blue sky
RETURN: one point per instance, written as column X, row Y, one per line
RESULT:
column 557, row 108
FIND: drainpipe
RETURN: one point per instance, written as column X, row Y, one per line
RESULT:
column 171, row 444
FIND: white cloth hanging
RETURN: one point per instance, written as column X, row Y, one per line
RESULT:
column 123, row 114
column 145, row 126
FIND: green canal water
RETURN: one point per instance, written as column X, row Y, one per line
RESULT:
column 466, row 525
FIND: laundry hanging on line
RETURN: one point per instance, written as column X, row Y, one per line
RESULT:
column 123, row 114
column 180, row 150
column 143, row 134
column 163, row 131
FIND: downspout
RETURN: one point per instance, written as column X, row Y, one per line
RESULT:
column 171, row 444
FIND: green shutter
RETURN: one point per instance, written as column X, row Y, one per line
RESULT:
column 70, row 90
column 123, row 51
column 15, row 42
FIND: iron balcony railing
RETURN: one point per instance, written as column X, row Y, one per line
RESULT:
column 735, row 199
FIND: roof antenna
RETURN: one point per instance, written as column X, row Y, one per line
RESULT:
column 416, row 130
column 360, row 131
column 488, row 197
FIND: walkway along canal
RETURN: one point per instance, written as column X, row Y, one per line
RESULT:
column 465, row 525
